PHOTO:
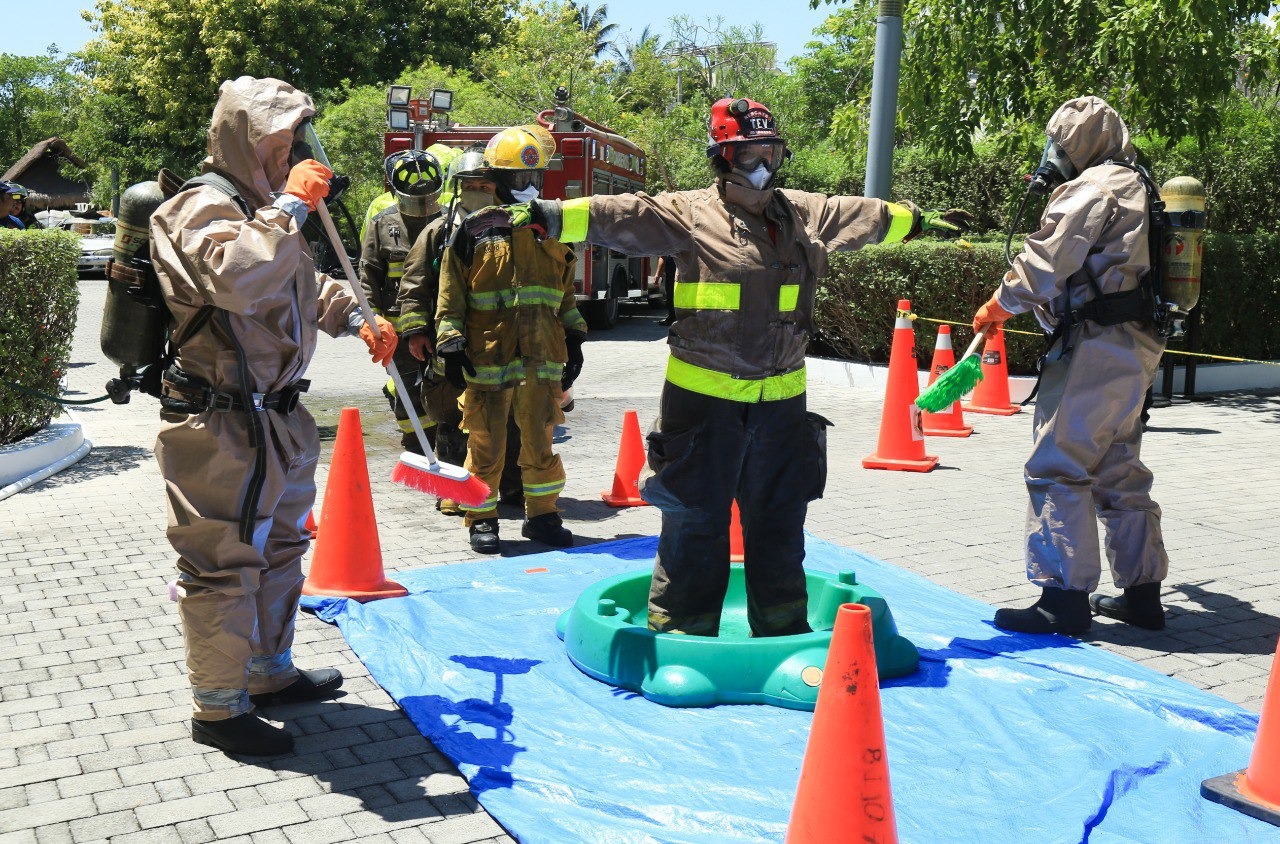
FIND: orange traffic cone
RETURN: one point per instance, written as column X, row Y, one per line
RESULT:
column 736, row 549
column 950, row 423
column 901, row 439
column 348, row 564
column 843, row 793
column 311, row 525
column 1256, row 790
column 992, row 393
column 626, row 474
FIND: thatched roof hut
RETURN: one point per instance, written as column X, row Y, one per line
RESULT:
column 37, row 171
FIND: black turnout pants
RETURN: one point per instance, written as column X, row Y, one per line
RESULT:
column 707, row 451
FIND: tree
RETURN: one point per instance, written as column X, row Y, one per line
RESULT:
column 157, row 64
column 593, row 23
column 35, row 93
column 1000, row 67
column 547, row 48
column 353, row 125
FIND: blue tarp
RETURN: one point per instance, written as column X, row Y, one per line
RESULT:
column 997, row 738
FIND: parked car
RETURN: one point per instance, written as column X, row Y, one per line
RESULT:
column 96, row 240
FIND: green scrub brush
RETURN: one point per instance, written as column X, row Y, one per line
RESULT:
column 955, row 382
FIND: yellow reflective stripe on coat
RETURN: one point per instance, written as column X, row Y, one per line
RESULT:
column 572, row 319
column 395, row 269
column 575, row 215
column 550, row 371
column 406, row 427
column 450, row 327
column 515, row 372
column 531, row 296
column 412, row 320
column 708, row 295
column 901, row 223
column 708, row 382
column 788, row 297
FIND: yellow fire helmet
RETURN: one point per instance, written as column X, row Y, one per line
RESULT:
column 544, row 136
column 516, row 149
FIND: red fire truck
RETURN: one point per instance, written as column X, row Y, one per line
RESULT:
column 590, row 159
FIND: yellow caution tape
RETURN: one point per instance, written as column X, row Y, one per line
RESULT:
column 913, row 316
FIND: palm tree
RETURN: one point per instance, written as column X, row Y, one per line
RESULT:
column 593, row 23
column 626, row 58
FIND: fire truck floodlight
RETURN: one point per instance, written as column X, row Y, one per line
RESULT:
column 441, row 99
column 398, row 119
column 399, row 95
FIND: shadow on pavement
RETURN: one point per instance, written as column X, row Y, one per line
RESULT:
column 1236, row 626
column 387, row 780
column 100, row 462
column 1155, row 429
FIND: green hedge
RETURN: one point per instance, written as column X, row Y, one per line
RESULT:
column 38, row 300
column 857, row 301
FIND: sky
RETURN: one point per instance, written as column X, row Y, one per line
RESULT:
column 788, row 23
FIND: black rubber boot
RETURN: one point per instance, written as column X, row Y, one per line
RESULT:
column 547, row 529
column 247, row 735
column 310, row 685
column 1139, row 606
column 1057, row 611
column 484, row 536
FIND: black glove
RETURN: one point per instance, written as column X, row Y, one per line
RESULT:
column 573, row 368
column 455, row 362
column 949, row 223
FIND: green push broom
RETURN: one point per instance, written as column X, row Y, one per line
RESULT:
column 423, row 473
column 955, row 382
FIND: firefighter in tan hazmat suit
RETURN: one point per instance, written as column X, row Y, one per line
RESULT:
column 1085, row 463
column 237, row 451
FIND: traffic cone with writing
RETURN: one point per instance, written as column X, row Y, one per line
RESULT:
column 736, row 549
column 843, row 793
column 992, row 393
column 348, row 559
column 950, row 423
column 1255, row 791
column 626, row 473
column 901, row 443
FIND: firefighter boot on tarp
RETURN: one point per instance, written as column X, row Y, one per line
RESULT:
column 246, row 734
column 1057, row 611
column 1139, row 606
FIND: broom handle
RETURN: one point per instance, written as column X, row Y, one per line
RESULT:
column 973, row 347
column 336, row 242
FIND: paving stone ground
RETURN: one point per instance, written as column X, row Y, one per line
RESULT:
column 94, row 742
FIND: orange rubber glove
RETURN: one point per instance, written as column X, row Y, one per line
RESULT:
column 990, row 317
column 383, row 346
column 309, row 181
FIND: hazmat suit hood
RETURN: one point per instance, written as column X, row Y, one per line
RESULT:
column 1090, row 132
column 251, row 134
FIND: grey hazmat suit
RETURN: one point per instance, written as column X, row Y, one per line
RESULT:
column 241, row 482
column 1085, row 462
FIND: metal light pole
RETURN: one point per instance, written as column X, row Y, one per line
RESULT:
column 884, row 98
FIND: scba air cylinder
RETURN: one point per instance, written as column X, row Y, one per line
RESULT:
column 1182, row 250
column 133, row 323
